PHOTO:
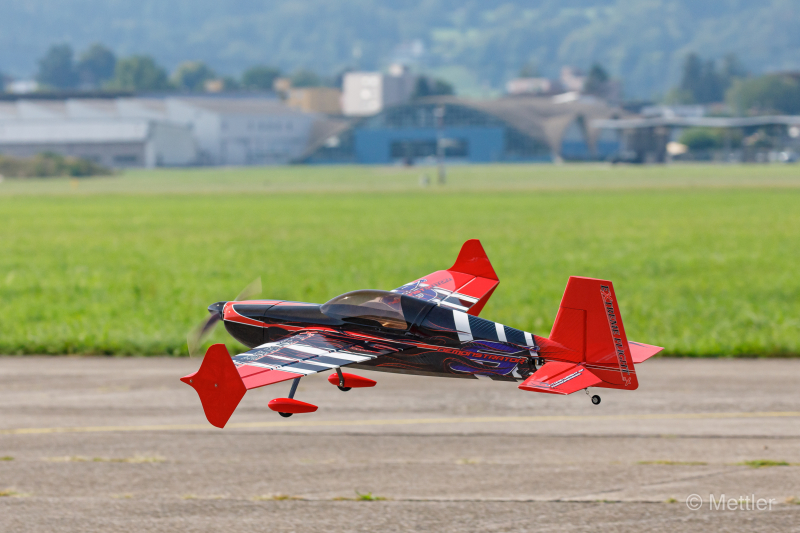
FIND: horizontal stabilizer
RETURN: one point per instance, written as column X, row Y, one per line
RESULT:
column 558, row 377
column 466, row 286
column 218, row 384
column 641, row 352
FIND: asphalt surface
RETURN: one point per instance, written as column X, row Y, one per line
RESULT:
column 108, row 444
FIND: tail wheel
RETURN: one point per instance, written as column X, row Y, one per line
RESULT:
column 596, row 399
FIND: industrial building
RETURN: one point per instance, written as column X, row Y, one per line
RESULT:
column 506, row 130
column 315, row 100
column 646, row 139
column 85, row 129
column 172, row 131
column 368, row 93
column 247, row 130
column 243, row 131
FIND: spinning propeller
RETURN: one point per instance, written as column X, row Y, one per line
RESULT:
column 204, row 329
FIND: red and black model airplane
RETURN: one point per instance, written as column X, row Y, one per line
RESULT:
column 428, row 327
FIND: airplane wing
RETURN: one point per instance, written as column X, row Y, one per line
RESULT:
column 222, row 381
column 557, row 377
column 304, row 353
column 466, row 286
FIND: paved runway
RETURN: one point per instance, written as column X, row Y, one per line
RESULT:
column 109, row 444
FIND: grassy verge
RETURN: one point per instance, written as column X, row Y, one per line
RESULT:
column 703, row 259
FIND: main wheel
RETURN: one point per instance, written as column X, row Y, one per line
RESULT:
column 596, row 399
column 285, row 415
column 344, row 389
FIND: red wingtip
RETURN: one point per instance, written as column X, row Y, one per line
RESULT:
column 218, row 384
column 352, row 380
column 472, row 260
column 290, row 405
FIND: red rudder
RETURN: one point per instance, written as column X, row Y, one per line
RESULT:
column 590, row 327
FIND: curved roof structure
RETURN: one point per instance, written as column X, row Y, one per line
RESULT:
column 543, row 120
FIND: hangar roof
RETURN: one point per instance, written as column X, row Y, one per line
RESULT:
column 544, row 119
column 73, row 131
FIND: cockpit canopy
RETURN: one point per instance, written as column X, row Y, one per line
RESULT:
column 376, row 308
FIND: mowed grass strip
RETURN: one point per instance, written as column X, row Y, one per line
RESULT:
column 701, row 270
column 461, row 178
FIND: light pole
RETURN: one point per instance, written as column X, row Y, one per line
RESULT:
column 438, row 113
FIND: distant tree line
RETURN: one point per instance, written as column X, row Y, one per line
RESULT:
column 98, row 68
column 705, row 82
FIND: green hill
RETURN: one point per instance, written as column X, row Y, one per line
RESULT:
column 477, row 43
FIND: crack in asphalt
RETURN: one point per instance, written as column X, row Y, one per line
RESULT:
column 405, row 421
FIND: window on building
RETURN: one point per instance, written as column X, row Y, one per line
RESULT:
column 423, row 116
column 521, row 146
column 126, row 159
column 418, row 148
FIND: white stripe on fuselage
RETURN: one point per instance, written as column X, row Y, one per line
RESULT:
column 501, row 332
column 462, row 326
column 528, row 339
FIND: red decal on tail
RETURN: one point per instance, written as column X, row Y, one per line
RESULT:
column 609, row 304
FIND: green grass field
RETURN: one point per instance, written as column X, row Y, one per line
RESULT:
column 704, row 258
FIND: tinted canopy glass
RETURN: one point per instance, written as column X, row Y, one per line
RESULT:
column 368, row 307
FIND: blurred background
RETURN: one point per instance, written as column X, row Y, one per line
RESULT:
column 158, row 156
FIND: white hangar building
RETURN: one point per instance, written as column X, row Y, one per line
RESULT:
column 93, row 130
column 150, row 132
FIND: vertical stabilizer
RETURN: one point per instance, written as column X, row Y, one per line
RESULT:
column 589, row 330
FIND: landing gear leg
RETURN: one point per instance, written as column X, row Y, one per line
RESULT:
column 295, row 383
column 595, row 398
column 341, row 381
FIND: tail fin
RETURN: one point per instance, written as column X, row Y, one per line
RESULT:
column 589, row 330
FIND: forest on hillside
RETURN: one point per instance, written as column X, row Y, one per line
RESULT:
column 475, row 44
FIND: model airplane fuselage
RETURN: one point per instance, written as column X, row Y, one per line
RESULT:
column 427, row 327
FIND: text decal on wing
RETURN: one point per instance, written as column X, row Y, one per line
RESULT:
column 564, row 380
